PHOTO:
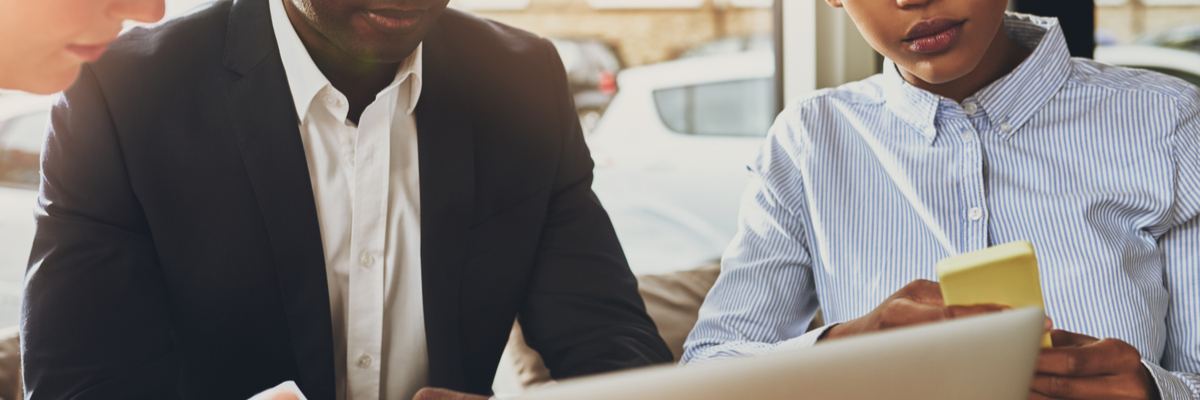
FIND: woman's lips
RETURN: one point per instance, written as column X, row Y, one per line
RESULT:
column 88, row 53
column 394, row 21
column 933, row 35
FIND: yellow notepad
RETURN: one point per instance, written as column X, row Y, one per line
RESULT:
column 1006, row 274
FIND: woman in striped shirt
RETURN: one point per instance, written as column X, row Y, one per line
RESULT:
column 981, row 130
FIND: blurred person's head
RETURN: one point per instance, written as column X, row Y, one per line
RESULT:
column 46, row 41
column 369, row 31
column 935, row 42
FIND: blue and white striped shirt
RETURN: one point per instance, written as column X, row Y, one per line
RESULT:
column 1097, row 166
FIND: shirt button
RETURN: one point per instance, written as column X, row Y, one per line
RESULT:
column 364, row 361
column 967, row 136
column 975, row 214
column 366, row 260
column 970, row 108
column 1006, row 127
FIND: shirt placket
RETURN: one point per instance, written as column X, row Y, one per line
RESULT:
column 974, row 212
column 368, row 234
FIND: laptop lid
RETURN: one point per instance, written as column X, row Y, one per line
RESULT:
column 989, row 357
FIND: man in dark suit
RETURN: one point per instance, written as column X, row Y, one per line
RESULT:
column 355, row 195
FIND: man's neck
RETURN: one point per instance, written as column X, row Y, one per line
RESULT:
column 1002, row 57
column 360, row 81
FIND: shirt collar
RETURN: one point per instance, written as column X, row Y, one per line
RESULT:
column 306, row 80
column 1009, row 101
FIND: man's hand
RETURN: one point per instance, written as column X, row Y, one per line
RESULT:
column 443, row 394
column 917, row 303
column 1081, row 367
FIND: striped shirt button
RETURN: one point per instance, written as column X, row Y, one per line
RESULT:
column 975, row 214
column 1006, row 127
column 967, row 136
column 970, row 108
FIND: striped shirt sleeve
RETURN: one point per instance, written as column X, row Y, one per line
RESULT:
column 765, row 296
column 1178, row 374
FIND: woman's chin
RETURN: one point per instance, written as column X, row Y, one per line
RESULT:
column 47, row 81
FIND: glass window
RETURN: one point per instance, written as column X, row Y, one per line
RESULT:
column 737, row 108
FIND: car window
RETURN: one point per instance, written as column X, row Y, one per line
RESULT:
column 734, row 108
column 741, row 108
column 674, row 108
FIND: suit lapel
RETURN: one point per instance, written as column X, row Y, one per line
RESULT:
column 264, row 121
column 446, row 155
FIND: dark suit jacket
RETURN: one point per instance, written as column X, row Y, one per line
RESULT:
column 178, row 254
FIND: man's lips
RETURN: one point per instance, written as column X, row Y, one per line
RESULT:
column 394, row 21
column 934, row 35
column 88, row 53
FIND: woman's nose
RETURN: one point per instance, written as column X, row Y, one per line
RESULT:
column 911, row 3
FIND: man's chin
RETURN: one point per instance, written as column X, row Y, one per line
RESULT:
column 385, row 51
column 378, row 55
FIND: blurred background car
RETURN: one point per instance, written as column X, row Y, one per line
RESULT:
column 592, row 68
column 1178, row 63
column 671, row 154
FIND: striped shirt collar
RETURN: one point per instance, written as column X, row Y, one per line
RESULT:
column 1009, row 101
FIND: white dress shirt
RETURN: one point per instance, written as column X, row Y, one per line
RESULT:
column 366, row 185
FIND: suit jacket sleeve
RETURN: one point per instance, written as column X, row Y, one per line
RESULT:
column 95, row 319
column 582, row 311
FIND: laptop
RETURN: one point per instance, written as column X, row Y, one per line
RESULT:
column 988, row 357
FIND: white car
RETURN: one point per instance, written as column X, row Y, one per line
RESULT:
column 1178, row 63
column 671, row 154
